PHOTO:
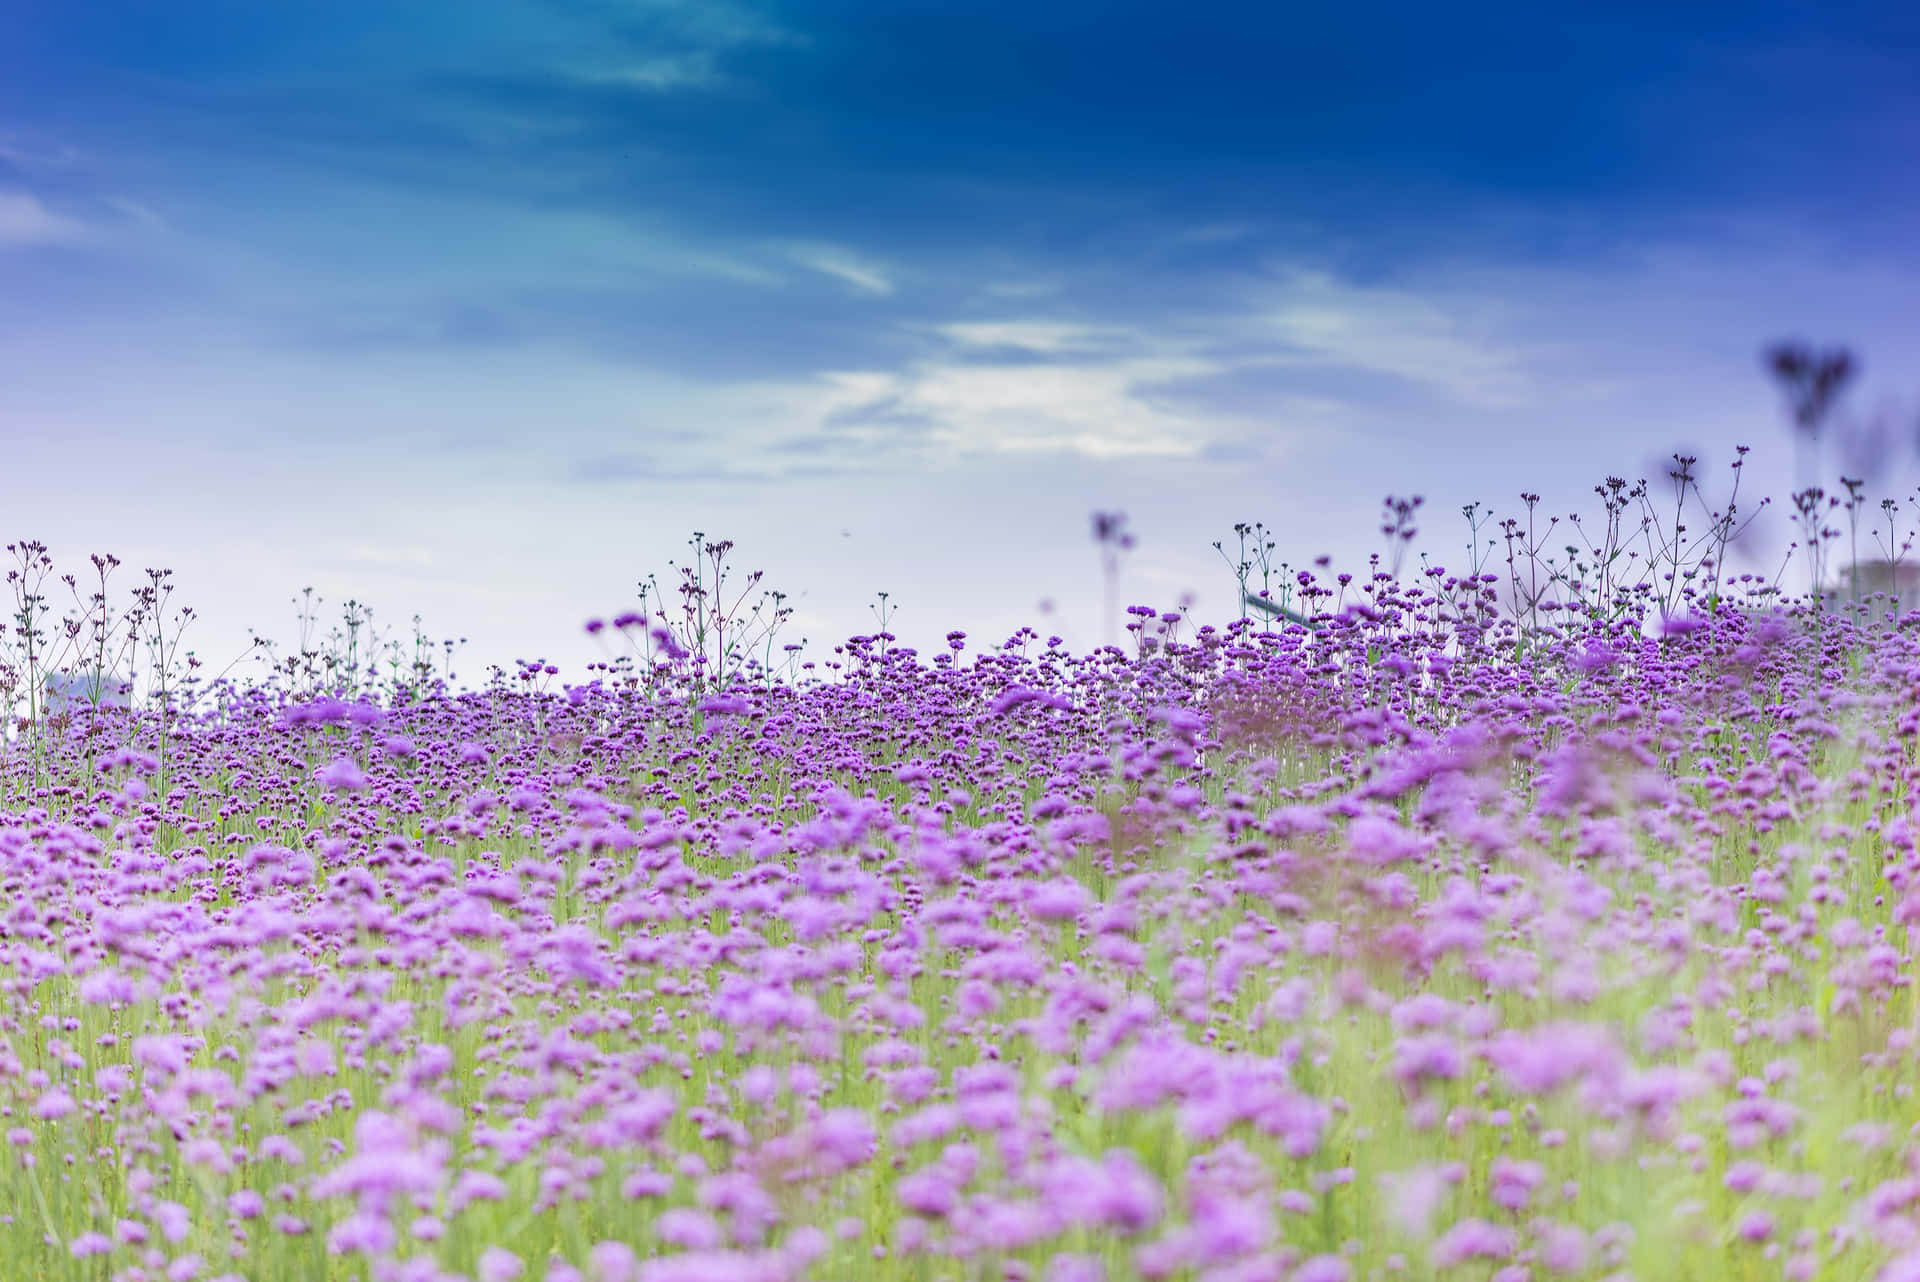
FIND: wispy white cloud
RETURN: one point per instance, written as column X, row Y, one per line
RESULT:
column 138, row 212
column 1394, row 332
column 1101, row 392
column 713, row 22
column 1043, row 337
column 1023, row 289
column 1214, row 234
column 25, row 222
column 694, row 70
column 865, row 277
column 29, row 159
column 1090, row 409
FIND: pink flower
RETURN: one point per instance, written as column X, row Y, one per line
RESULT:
column 89, row 1244
column 497, row 1264
column 1469, row 1239
column 928, row 1192
column 687, row 1228
column 1324, row 1268
column 344, row 774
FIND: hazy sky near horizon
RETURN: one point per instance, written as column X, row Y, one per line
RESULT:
column 477, row 310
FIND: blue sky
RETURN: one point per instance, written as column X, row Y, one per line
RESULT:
column 477, row 310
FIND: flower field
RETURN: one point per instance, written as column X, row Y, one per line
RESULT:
column 1408, row 945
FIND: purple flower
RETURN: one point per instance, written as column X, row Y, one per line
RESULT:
column 1381, row 842
column 386, row 1165
column 1061, row 899
column 344, row 774
column 646, row 1184
column 1323, row 1268
column 1541, row 1060
column 1511, row 1183
column 687, row 1228
column 612, row 1262
column 928, row 1192
column 87, row 1244
column 476, row 1186
column 1563, row 1248
column 706, row 1266
column 1016, row 697
column 497, row 1264
column 843, row 1138
column 1069, row 1266
column 175, row 1221
column 1435, row 1056
column 1470, row 1239
column 362, row 1233
column 1230, row 1227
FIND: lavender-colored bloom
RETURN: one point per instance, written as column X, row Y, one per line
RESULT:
column 1564, row 1248
column 612, row 1262
column 87, row 1244
column 930, row 1191
column 1381, row 842
column 1541, row 1060
column 1132, row 1200
column 1323, row 1268
column 1471, row 1238
column 646, row 1184
column 1416, row 1059
column 497, row 1264
column 175, row 1221
column 476, row 1186
column 1229, row 1227
column 1904, row 1267
column 1070, row 1266
column 684, row 1227
column 387, row 1164
column 1021, row 696
column 1511, row 1182
column 362, row 1233
column 344, row 774
column 708, row 1266
column 805, row 1244
column 843, row 1138
column 1061, row 899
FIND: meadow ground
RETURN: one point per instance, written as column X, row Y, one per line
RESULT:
column 1415, row 944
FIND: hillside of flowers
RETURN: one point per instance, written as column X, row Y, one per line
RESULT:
column 1398, row 941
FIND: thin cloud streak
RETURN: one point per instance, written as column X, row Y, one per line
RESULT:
column 26, row 223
